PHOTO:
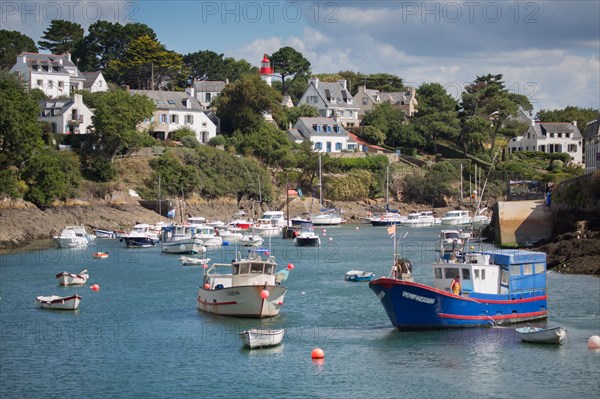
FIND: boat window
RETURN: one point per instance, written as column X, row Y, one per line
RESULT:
column 528, row 269
column 504, row 277
column 466, row 274
column 438, row 273
column 476, row 273
column 256, row 268
column 515, row 270
column 236, row 268
column 539, row 268
column 244, row 267
column 483, row 274
column 450, row 272
column 269, row 269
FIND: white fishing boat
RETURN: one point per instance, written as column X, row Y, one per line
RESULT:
column 189, row 261
column 251, row 240
column 209, row 235
column 306, row 236
column 449, row 240
column 141, row 236
column 270, row 224
column 59, row 302
column 358, row 275
column 540, row 335
column 181, row 239
column 244, row 288
column 420, row 219
column 100, row 233
column 327, row 217
column 74, row 237
column 231, row 237
column 456, row 218
column 261, row 338
column 66, row 278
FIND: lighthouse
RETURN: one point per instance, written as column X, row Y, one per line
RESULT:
column 266, row 72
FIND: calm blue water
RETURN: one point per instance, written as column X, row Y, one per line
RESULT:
column 141, row 335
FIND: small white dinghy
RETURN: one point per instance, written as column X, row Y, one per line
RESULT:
column 59, row 302
column 261, row 338
column 66, row 278
column 188, row 261
column 554, row 335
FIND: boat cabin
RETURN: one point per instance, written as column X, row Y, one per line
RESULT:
column 517, row 274
column 273, row 218
column 178, row 232
column 196, row 220
column 241, row 273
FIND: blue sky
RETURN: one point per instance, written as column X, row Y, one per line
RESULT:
column 547, row 50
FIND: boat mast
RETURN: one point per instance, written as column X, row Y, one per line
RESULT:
column 387, row 188
column 320, row 186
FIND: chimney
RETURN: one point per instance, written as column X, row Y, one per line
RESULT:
column 533, row 122
column 190, row 91
column 574, row 123
column 77, row 98
column 227, row 81
column 67, row 56
column 314, row 81
column 289, row 124
column 343, row 83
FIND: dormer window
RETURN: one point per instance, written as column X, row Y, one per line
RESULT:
column 336, row 129
column 316, row 128
column 327, row 128
column 172, row 102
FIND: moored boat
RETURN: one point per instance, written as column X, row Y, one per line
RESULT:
column 59, row 302
column 73, row 237
column 66, row 278
column 189, row 261
column 141, row 236
column 420, row 219
column 306, row 236
column 358, row 275
column 244, row 288
column 261, row 338
column 456, row 218
column 540, row 335
column 100, row 233
column 387, row 219
column 500, row 286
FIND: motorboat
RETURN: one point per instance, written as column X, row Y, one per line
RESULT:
column 74, row 237
column 327, row 217
column 498, row 287
column 251, row 240
column 189, row 261
column 246, row 287
column 306, row 236
column 100, row 233
column 273, row 218
column 181, row 239
column 386, row 219
column 228, row 236
column 261, row 338
column 555, row 335
column 59, row 302
column 449, row 240
column 420, row 219
column 358, row 275
column 66, row 278
column 456, row 218
column 240, row 221
column 141, row 236
column 209, row 235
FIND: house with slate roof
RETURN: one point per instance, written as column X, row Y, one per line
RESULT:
column 326, row 134
column 550, row 138
column 94, row 81
column 206, row 91
column 56, row 75
column 591, row 145
column 176, row 109
column 366, row 99
column 333, row 100
column 70, row 116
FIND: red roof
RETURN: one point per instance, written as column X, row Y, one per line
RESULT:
column 362, row 142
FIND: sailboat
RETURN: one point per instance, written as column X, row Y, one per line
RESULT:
column 326, row 217
column 389, row 217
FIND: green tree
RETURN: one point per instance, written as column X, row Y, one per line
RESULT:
column 20, row 133
column 115, row 120
column 372, row 135
column 181, row 132
column 242, row 104
column 61, row 36
column 105, row 42
column 177, row 177
column 206, row 65
column 147, row 64
column 291, row 115
column 13, row 43
column 266, row 143
column 568, row 115
column 290, row 65
column 382, row 116
column 235, row 69
column 405, row 135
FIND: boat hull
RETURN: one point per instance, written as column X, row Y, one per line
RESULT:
column 71, row 242
column 242, row 301
column 307, row 241
column 326, row 220
column 140, row 242
column 541, row 335
column 105, row 234
column 185, row 246
column 261, row 338
column 413, row 306
column 65, row 278
column 378, row 223
column 59, row 303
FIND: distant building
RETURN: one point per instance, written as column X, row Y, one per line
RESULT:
column 70, row 116
column 326, row 135
column 206, row 91
column 367, row 99
column 176, row 109
column 591, row 145
column 550, row 138
column 94, row 81
column 332, row 100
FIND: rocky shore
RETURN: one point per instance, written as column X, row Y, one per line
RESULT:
column 21, row 223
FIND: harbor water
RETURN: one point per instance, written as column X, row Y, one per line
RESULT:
column 141, row 336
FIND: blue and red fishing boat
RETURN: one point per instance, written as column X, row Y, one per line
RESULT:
column 497, row 287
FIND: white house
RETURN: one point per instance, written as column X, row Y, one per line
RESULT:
column 550, row 138
column 333, row 100
column 208, row 90
column 69, row 116
column 591, row 145
column 366, row 99
column 176, row 109
column 326, row 134
column 56, row 75
column 94, row 81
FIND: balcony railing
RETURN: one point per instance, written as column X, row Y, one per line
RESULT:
column 75, row 120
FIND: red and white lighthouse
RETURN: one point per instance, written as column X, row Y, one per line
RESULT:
column 266, row 72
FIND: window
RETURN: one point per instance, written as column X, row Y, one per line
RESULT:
column 269, row 269
column 174, row 118
column 40, row 82
column 438, row 273
column 466, row 274
column 207, row 97
column 203, row 124
column 244, row 268
column 476, row 273
column 327, row 128
column 172, row 102
column 483, row 274
column 450, row 272
column 504, row 277
column 338, row 146
column 567, row 135
column 515, row 270
column 163, row 118
column 572, row 147
column 256, row 268
column 528, row 135
column 527, row 269
column 539, row 268
column 329, row 146
column 50, row 84
column 189, row 119
column 365, row 100
column 61, row 85
column 559, row 135
column 336, row 129
column 318, row 146
column 551, row 135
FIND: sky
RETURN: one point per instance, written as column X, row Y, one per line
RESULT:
column 546, row 50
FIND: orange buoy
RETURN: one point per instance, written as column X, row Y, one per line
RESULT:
column 317, row 353
column 264, row 294
column 594, row 342
column 290, row 266
column 206, row 286
column 95, row 287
